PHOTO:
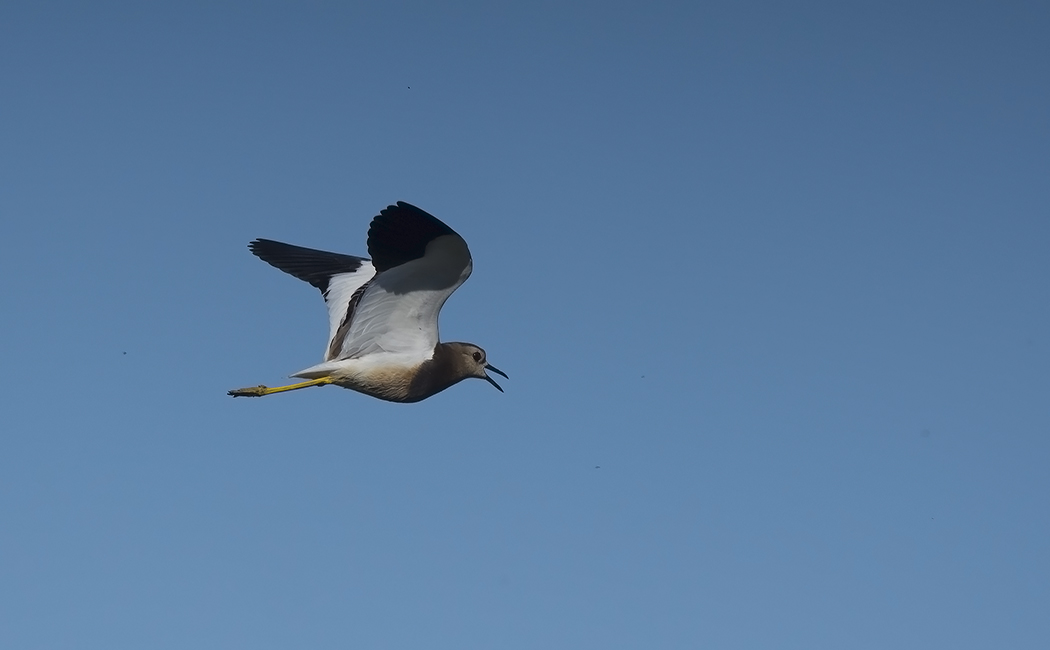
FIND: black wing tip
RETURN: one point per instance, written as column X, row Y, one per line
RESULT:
column 405, row 215
column 400, row 233
column 260, row 246
column 308, row 264
column 406, row 205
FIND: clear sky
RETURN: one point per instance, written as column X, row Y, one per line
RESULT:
column 770, row 281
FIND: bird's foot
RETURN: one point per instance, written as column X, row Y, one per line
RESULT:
column 251, row 391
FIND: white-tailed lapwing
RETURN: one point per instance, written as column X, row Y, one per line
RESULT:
column 383, row 312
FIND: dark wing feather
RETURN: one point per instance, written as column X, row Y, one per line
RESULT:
column 307, row 264
column 400, row 234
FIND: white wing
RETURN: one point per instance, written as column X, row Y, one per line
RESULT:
column 341, row 289
column 336, row 275
column 398, row 311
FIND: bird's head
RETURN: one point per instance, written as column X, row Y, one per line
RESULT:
column 475, row 363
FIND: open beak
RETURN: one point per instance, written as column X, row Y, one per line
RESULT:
column 498, row 372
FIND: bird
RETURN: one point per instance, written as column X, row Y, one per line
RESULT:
column 383, row 311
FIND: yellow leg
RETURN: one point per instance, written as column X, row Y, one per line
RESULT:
column 259, row 391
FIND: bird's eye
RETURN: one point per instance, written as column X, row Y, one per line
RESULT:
column 477, row 357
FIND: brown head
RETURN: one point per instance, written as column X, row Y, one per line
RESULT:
column 451, row 364
column 470, row 361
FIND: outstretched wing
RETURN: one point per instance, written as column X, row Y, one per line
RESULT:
column 419, row 262
column 339, row 277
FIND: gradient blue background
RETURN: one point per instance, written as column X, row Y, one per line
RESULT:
column 771, row 283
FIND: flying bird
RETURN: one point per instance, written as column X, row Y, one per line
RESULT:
column 383, row 312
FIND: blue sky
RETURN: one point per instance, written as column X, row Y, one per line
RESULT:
column 770, row 282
